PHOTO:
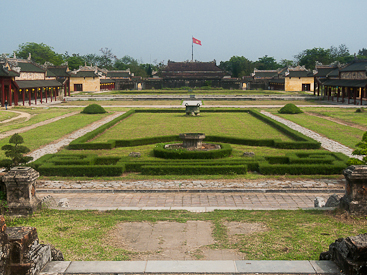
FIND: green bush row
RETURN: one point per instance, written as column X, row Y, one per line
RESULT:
column 136, row 166
column 81, row 170
column 302, row 169
column 160, row 152
column 193, row 170
column 145, row 141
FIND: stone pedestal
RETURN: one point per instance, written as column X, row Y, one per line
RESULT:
column 350, row 254
column 355, row 198
column 193, row 110
column 21, row 190
column 4, row 246
column 27, row 255
column 192, row 140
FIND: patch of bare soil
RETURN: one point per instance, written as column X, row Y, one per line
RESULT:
column 236, row 229
column 339, row 121
column 176, row 241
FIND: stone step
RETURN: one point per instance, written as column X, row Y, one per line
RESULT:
column 191, row 267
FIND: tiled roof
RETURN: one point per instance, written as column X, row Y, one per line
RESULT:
column 192, row 66
column 24, row 84
column 107, row 81
column 29, row 67
column 358, row 65
column 6, row 73
column 57, row 71
column 356, row 83
column 323, row 72
column 118, row 74
column 334, row 73
column 300, row 74
column 84, row 74
column 267, row 74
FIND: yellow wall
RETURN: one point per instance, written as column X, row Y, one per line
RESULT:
column 89, row 84
column 294, row 84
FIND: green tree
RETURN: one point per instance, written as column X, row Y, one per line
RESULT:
column 40, row 53
column 362, row 54
column 15, row 152
column 309, row 57
column 238, row 66
column 361, row 150
column 74, row 61
column 267, row 63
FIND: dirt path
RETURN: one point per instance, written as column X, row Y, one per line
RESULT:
column 339, row 121
column 21, row 115
column 30, row 127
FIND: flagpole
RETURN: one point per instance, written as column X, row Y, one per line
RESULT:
column 192, row 52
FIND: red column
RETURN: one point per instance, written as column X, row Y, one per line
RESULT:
column 30, row 96
column 41, row 94
column 2, row 93
column 9, row 94
column 328, row 93
column 50, row 89
column 361, row 95
column 354, row 96
column 23, row 94
column 65, row 87
column 16, row 96
column 56, row 92
column 45, row 93
column 69, row 87
column 35, row 96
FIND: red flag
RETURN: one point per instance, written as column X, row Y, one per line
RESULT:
column 196, row 41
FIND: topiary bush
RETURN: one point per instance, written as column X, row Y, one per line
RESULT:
column 361, row 150
column 290, row 109
column 94, row 109
column 360, row 110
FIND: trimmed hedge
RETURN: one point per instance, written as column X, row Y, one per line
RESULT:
column 146, row 141
column 193, row 170
column 299, row 163
column 302, row 169
column 81, row 170
column 93, row 109
column 160, row 152
column 136, row 166
column 290, row 108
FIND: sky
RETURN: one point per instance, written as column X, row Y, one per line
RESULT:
column 161, row 30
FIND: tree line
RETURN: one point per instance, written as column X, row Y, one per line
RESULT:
column 238, row 66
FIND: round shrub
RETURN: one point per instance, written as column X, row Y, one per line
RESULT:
column 93, row 109
column 290, row 109
column 360, row 110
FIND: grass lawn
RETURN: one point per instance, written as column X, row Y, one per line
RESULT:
column 346, row 114
column 259, row 102
column 289, row 235
column 38, row 115
column 123, row 102
column 346, row 135
column 142, row 125
column 4, row 115
column 46, row 134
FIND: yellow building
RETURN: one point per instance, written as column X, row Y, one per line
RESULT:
column 299, row 79
column 85, row 80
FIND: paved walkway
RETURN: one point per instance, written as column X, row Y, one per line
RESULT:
column 195, row 202
column 21, row 115
column 58, row 144
column 323, row 185
column 326, row 143
column 192, row 267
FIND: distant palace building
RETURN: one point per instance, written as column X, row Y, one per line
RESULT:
column 197, row 74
